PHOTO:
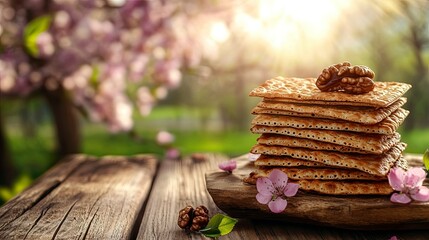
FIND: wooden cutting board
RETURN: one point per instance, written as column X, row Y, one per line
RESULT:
column 237, row 199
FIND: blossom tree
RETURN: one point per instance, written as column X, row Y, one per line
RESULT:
column 105, row 57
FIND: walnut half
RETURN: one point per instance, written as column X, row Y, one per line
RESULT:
column 346, row 78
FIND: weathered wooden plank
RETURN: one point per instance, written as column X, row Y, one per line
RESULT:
column 238, row 199
column 178, row 184
column 91, row 199
column 181, row 183
column 45, row 184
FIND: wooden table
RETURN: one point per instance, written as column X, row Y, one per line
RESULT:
column 137, row 197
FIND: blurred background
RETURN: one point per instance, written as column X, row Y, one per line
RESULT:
column 105, row 77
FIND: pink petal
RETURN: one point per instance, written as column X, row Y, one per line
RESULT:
column 262, row 198
column 415, row 177
column 400, row 198
column 393, row 238
column 291, row 189
column 278, row 178
column 422, row 195
column 278, row 205
column 228, row 166
column 265, row 186
column 396, row 178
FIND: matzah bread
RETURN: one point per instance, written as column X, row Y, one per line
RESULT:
column 365, row 115
column 333, row 187
column 258, row 110
column 337, row 103
column 319, row 173
column 282, row 140
column 386, row 126
column 370, row 163
column 346, row 187
column 285, row 161
column 402, row 163
column 375, row 143
column 305, row 89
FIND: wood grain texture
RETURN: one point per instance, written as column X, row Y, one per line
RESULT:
column 178, row 184
column 81, row 198
column 366, row 213
column 87, row 198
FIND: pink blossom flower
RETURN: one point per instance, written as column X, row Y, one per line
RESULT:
column 274, row 189
column 172, row 153
column 45, row 44
column 228, row 166
column 393, row 238
column 409, row 184
column 164, row 138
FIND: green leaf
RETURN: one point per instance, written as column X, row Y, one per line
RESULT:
column 213, row 233
column 95, row 76
column 33, row 29
column 219, row 225
column 5, row 194
column 426, row 159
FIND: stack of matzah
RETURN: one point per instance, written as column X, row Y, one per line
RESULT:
column 329, row 142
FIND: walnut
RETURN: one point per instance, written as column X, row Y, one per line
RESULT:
column 185, row 217
column 346, row 78
column 198, row 157
column 201, row 218
column 193, row 219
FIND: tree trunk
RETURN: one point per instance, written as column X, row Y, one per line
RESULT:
column 66, row 122
column 7, row 170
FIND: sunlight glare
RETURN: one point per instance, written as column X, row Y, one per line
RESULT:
column 289, row 22
column 219, row 32
column 312, row 14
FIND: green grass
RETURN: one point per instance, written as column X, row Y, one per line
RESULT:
column 417, row 140
column 231, row 143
